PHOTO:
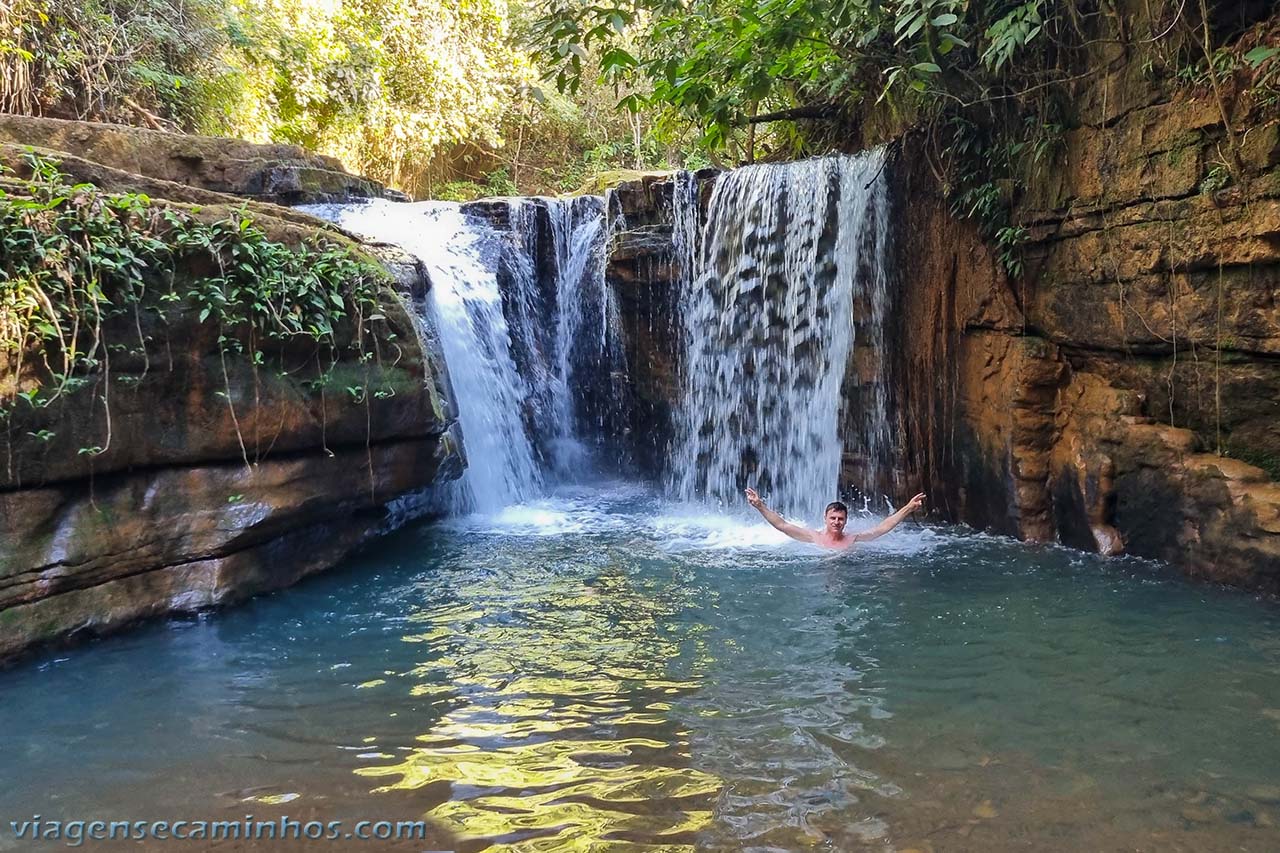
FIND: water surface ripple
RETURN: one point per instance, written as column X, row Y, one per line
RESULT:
column 602, row 671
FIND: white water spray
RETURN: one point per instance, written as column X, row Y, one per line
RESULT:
column 466, row 305
column 785, row 254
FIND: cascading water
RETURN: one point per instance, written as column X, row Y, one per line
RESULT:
column 686, row 239
column 528, row 329
column 786, row 254
column 465, row 304
column 787, row 267
column 572, row 338
column 684, row 223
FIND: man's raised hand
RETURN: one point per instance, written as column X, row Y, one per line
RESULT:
column 915, row 503
column 753, row 498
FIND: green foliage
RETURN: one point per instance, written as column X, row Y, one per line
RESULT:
column 1258, row 457
column 558, row 142
column 1249, row 62
column 497, row 183
column 84, row 273
column 718, row 62
column 458, row 191
column 1216, row 179
column 987, row 171
column 1011, row 69
column 396, row 89
column 955, row 65
column 500, row 183
column 1018, row 28
column 132, row 61
column 381, row 84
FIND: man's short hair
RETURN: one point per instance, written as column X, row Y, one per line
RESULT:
column 836, row 505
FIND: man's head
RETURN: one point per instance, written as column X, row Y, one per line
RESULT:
column 835, row 516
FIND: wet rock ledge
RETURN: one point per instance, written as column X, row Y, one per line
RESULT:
column 217, row 481
column 1123, row 397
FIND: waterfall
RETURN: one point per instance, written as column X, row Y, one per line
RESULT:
column 783, row 291
column 790, row 258
column 465, row 304
column 576, row 358
column 684, row 223
column 530, row 333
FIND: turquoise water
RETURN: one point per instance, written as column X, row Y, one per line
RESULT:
column 602, row 671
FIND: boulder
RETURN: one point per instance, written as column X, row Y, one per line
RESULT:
column 284, row 174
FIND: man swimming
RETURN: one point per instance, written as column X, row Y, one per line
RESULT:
column 834, row 519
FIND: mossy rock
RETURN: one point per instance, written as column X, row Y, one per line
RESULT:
column 284, row 174
column 603, row 181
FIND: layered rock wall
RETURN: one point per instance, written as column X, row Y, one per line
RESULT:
column 185, row 475
column 1122, row 395
column 1113, row 396
column 644, row 272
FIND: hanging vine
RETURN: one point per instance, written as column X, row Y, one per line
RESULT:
column 84, row 273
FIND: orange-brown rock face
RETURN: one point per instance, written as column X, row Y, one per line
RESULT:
column 207, row 476
column 174, row 516
column 144, row 543
column 1087, row 402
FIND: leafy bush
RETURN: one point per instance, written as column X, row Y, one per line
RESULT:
column 81, row 270
column 134, row 61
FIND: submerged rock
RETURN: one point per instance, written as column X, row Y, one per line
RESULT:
column 985, row 810
column 1269, row 794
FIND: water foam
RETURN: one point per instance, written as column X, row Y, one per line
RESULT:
column 465, row 304
column 786, row 254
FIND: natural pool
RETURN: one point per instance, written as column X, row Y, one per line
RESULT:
column 604, row 671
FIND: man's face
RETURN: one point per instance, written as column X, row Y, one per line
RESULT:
column 836, row 520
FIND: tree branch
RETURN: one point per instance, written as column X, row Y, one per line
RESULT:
column 816, row 111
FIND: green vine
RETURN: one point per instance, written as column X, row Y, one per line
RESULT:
column 988, row 168
column 86, row 276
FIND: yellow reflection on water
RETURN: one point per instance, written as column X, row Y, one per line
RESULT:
column 564, row 729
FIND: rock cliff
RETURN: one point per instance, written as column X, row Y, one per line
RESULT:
column 210, row 476
column 1123, row 394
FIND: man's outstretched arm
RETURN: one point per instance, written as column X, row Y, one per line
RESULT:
column 795, row 531
column 891, row 522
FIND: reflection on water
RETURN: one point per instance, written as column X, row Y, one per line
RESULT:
column 559, row 734
column 604, row 672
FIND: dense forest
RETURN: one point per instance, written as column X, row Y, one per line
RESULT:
column 437, row 98
column 459, row 98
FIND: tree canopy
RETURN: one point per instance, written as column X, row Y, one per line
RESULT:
column 407, row 91
column 725, row 64
column 461, row 97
